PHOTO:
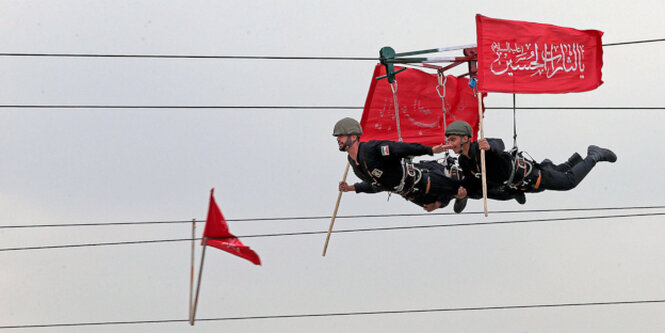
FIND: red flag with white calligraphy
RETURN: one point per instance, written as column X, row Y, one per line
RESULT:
column 219, row 236
column 420, row 107
column 525, row 57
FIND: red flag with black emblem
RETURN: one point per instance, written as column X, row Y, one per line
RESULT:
column 420, row 108
column 526, row 57
column 217, row 232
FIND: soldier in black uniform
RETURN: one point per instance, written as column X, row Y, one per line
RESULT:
column 385, row 166
column 513, row 172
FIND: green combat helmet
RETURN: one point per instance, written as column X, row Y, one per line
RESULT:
column 347, row 126
column 459, row 127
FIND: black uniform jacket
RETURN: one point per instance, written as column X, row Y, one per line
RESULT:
column 498, row 166
column 379, row 163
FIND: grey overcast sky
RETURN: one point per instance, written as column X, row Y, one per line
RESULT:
column 61, row 166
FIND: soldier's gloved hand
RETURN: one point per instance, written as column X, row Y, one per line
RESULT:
column 344, row 187
column 432, row 206
column 483, row 144
column 461, row 193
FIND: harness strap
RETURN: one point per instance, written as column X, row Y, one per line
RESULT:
column 512, row 173
column 524, row 174
column 540, row 177
column 408, row 170
column 415, row 180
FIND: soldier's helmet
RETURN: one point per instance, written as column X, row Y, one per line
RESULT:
column 347, row 126
column 459, row 127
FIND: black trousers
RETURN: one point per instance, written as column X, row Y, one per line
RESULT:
column 563, row 181
column 433, row 185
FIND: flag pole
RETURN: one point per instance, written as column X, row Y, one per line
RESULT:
column 191, row 273
column 198, row 286
column 482, row 152
column 332, row 221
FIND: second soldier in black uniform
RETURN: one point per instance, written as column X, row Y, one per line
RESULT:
column 513, row 172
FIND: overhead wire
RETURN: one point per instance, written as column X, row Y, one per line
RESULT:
column 176, row 56
column 258, row 107
column 238, row 57
column 321, row 217
column 301, row 107
column 346, row 314
column 357, row 230
column 657, row 40
column 576, row 108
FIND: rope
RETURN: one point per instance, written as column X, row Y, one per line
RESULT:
column 393, row 87
column 442, row 78
column 514, row 125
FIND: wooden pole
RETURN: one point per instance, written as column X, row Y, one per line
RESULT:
column 332, row 221
column 198, row 286
column 191, row 274
column 482, row 152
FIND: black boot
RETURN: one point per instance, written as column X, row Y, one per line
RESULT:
column 567, row 165
column 601, row 154
column 459, row 205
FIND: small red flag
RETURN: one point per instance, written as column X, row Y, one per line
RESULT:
column 217, row 232
column 534, row 58
column 420, row 109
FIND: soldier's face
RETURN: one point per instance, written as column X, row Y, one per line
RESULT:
column 343, row 142
column 456, row 142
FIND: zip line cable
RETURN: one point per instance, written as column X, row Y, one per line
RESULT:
column 345, row 314
column 327, row 217
column 294, row 107
column 302, row 233
column 174, row 56
column 636, row 42
column 236, row 57
column 575, row 108
column 302, row 107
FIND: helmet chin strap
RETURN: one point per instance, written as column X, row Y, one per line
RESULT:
column 348, row 143
column 462, row 143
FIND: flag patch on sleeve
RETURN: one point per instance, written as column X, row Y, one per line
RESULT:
column 385, row 151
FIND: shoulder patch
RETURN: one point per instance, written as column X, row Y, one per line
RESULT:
column 385, row 151
column 377, row 173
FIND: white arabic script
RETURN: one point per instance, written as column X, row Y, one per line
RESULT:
column 538, row 59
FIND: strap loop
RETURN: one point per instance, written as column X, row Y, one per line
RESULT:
column 441, row 90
